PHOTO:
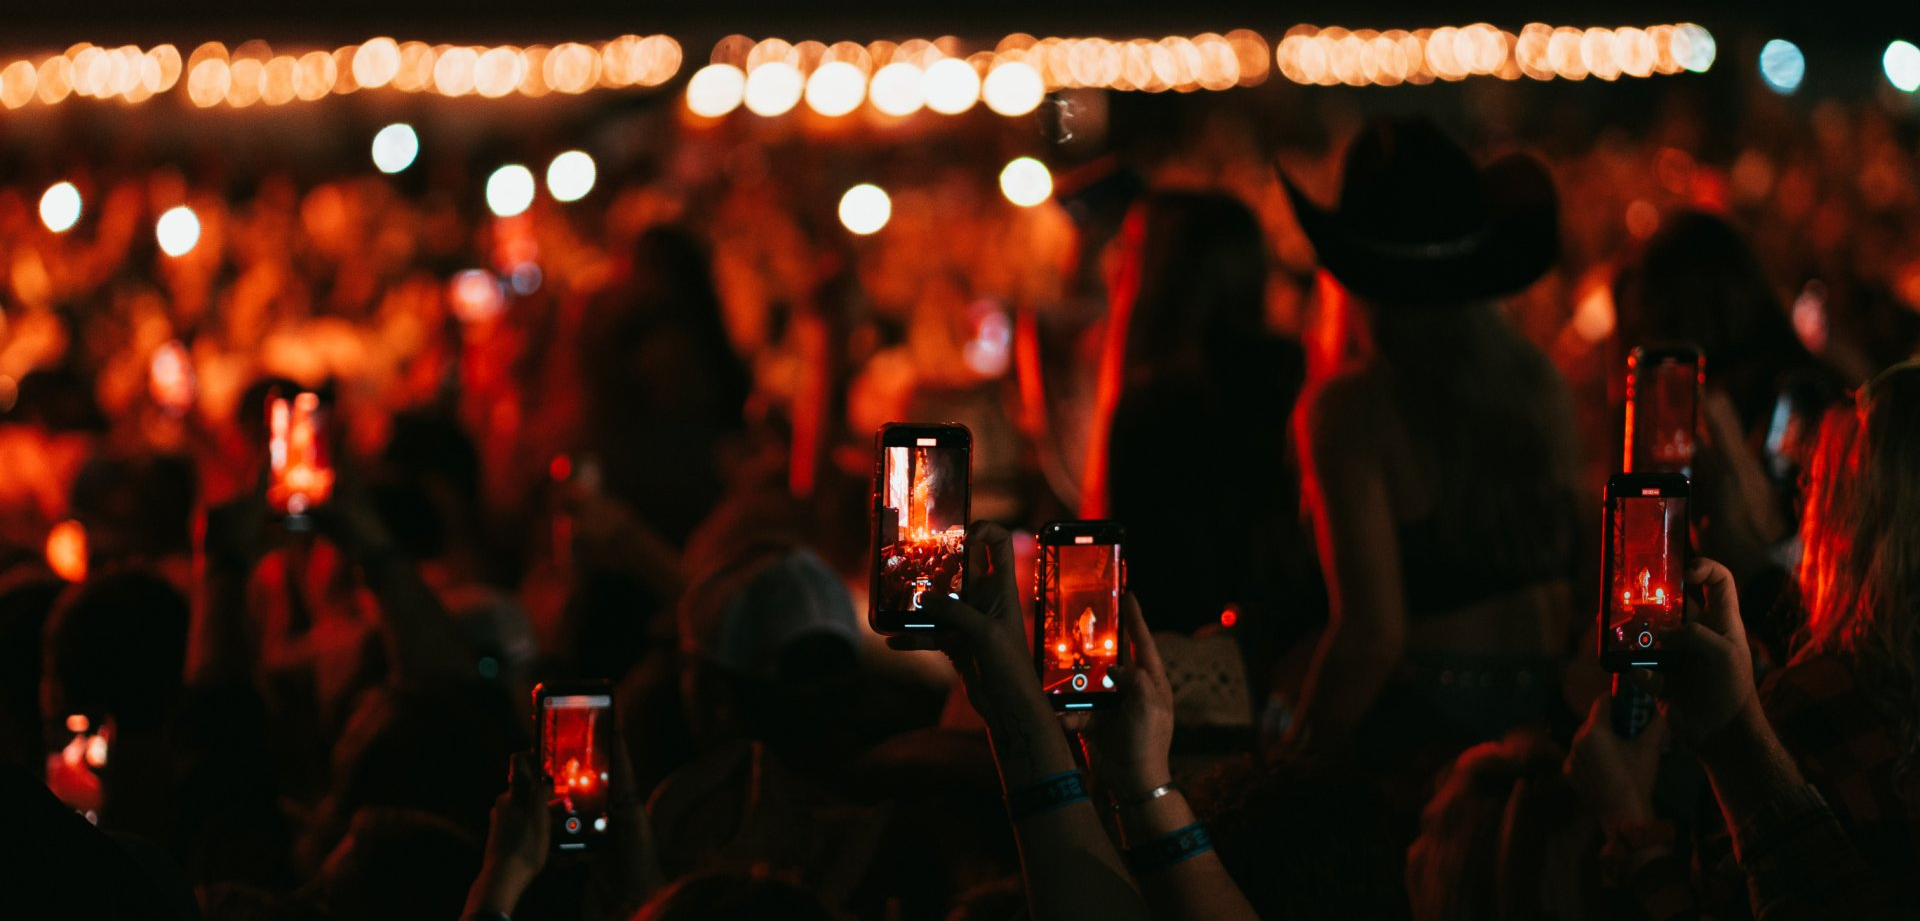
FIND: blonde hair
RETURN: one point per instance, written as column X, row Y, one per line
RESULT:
column 1860, row 570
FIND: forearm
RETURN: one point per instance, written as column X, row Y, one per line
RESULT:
column 1070, row 865
column 1748, row 767
column 216, row 640
column 1349, row 672
column 1196, row 887
column 421, row 641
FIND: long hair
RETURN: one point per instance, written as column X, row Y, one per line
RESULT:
column 1486, row 413
column 1860, row 570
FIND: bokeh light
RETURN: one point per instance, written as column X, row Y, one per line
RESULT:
column 1902, row 63
column 1013, row 88
column 178, row 231
column 715, row 90
column 774, row 88
column 570, row 176
column 60, row 207
column 67, row 551
column 898, row 89
column 952, row 86
column 837, row 88
column 510, row 190
column 395, row 147
column 865, row 209
column 1026, row 182
column 1782, row 66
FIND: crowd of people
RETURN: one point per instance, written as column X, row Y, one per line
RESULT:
column 1353, row 389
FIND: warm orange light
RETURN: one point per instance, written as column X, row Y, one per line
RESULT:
column 837, row 88
column 572, row 68
column 898, row 89
column 774, row 88
column 166, row 61
column 209, row 81
column 498, row 71
column 715, row 90
column 17, row 83
column 415, row 72
column 453, row 71
column 376, row 63
column 67, row 551
column 245, row 89
column 1013, row 88
column 952, row 86
column 314, row 75
column 54, row 80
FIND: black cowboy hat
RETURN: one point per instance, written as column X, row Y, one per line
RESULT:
column 1419, row 223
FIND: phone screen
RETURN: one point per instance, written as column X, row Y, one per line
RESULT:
column 1662, row 390
column 1646, row 562
column 576, row 737
column 1078, row 641
column 300, row 471
column 921, row 526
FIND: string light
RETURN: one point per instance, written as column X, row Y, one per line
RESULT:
column 1782, row 66
column 1014, row 88
column 837, row 88
column 774, row 88
column 716, row 89
column 1902, row 64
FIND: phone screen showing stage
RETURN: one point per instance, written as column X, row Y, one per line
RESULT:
column 576, row 736
column 923, row 524
column 1647, row 555
column 1080, row 619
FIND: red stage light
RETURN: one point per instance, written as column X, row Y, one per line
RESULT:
column 1229, row 617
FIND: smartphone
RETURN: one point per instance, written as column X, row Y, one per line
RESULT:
column 1077, row 638
column 300, row 469
column 573, row 726
column 1663, row 398
column 920, row 514
column 1644, row 550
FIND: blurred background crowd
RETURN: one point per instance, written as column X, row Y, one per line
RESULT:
column 589, row 430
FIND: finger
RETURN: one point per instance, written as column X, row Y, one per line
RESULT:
column 990, row 579
column 1075, row 721
column 956, row 615
column 1689, row 641
column 1647, row 680
column 1597, row 714
column 1721, row 613
column 1146, row 655
column 523, row 775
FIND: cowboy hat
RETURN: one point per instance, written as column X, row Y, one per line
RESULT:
column 1419, row 223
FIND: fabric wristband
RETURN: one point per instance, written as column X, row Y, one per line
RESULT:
column 1047, row 794
column 1169, row 849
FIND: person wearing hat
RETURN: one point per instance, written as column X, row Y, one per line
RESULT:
column 1439, row 461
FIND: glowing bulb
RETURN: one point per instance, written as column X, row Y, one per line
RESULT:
column 898, row 89
column 570, row 176
column 178, row 231
column 376, row 63
column 836, row 88
column 475, row 296
column 1694, row 47
column 60, row 207
column 1902, row 62
column 1782, row 66
column 774, row 88
column 865, row 209
column 510, row 190
column 395, row 147
column 67, row 551
column 952, row 86
column 1013, row 88
column 1026, row 182
column 715, row 90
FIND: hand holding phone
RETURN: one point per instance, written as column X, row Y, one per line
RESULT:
column 1644, row 562
column 300, row 474
column 1077, row 636
column 574, row 739
column 920, row 512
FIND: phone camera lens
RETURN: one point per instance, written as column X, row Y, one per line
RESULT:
column 573, row 825
column 1646, row 639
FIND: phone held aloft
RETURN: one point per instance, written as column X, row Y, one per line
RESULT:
column 1644, row 561
column 1663, row 399
column 921, row 505
column 1077, row 637
column 299, row 469
column 574, row 739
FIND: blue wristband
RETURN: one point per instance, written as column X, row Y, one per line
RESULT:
column 1047, row 794
column 1169, row 849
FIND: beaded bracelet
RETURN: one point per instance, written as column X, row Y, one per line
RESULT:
column 1169, row 849
column 1047, row 794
